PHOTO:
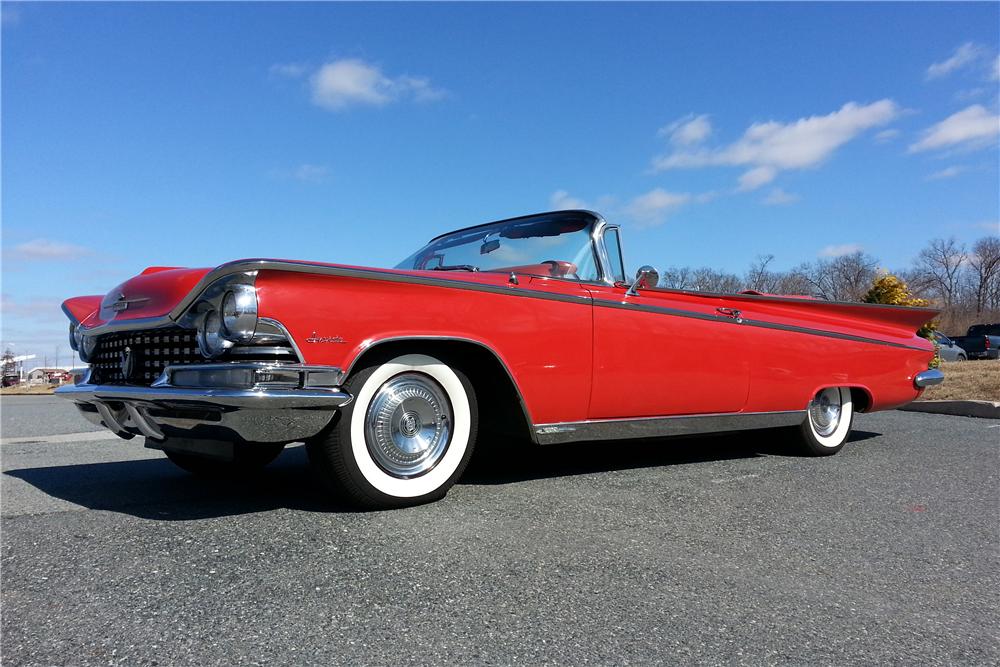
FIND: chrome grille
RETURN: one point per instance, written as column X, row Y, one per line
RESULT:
column 146, row 353
column 149, row 352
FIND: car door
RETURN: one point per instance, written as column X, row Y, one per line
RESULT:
column 664, row 353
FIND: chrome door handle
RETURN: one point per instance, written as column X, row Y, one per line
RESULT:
column 731, row 312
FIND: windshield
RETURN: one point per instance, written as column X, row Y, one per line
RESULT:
column 551, row 246
column 984, row 330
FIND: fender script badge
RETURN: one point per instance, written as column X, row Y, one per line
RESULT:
column 324, row 339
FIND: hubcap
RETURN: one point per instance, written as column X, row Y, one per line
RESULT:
column 408, row 425
column 824, row 412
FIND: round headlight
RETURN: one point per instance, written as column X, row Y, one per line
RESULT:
column 75, row 336
column 87, row 346
column 210, row 340
column 239, row 313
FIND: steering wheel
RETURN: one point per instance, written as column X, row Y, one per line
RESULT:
column 562, row 269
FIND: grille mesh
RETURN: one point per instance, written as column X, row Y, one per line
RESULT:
column 150, row 352
column 146, row 353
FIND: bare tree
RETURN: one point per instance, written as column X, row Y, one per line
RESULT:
column 676, row 277
column 758, row 277
column 710, row 280
column 984, row 265
column 939, row 266
column 844, row 278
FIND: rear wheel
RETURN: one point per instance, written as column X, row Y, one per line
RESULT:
column 828, row 422
column 247, row 459
column 405, row 438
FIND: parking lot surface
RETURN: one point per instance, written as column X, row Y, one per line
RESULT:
column 710, row 550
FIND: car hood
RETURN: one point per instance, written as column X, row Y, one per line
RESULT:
column 152, row 293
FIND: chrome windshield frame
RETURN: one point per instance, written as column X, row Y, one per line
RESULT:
column 598, row 226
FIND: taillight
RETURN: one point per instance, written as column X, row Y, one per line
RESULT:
column 987, row 339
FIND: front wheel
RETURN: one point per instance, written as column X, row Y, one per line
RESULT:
column 405, row 438
column 828, row 422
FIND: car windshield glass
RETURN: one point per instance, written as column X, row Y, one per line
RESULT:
column 551, row 246
column 984, row 330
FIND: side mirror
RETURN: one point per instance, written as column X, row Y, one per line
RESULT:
column 645, row 278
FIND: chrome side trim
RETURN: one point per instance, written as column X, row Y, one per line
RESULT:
column 288, row 336
column 660, row 427
column 928, row 378
column 930, row 312
column 662, row 310
column 384, row 275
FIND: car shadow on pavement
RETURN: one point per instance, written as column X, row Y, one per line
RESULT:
column 495, row 464
column 156, row 489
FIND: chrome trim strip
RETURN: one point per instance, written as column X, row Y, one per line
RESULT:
column 662, row 310
column 928, row 378
column 247, row 265
column 383, row 275
column 564, row 212
column 660, row 427
column 288, row 336
column 389, row 276
column 930, row 312
column 333, row 375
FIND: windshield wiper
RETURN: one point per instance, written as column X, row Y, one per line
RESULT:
column 456, row 267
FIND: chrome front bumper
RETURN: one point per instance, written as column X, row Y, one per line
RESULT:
column 290, row 407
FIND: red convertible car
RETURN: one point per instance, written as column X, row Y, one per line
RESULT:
column 526, row 327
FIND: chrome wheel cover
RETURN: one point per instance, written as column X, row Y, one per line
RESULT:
column 825, row 412
column 408, row 425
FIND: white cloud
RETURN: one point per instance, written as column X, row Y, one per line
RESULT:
column 688, row 130
column 886, row 135
column 995, row 74
column 801, row 144
column 652, row 208
column 965, row 55
column 757, row 177
column 947, row 172
column 350, row 82
column 840, row 250
column 971, row 128
column 562, row 201
column 45, row 249
column 778, row 197
column 288, row 70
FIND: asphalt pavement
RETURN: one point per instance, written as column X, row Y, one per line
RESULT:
column 717, row 550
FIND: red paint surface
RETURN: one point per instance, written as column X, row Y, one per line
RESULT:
column 574, row 361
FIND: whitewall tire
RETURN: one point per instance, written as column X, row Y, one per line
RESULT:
column 404, row 439
column 829, row 417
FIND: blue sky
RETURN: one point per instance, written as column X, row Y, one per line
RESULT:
column 176, row 134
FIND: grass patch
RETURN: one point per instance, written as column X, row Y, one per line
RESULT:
column 25, row 390
column 967, row 380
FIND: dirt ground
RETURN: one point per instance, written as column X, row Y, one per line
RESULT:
column 967, row 380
